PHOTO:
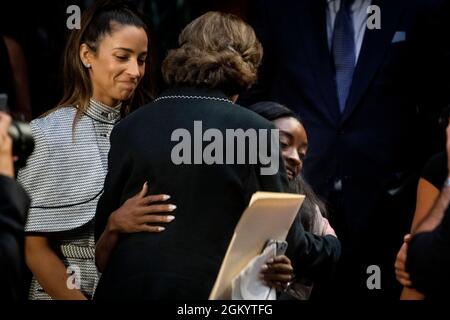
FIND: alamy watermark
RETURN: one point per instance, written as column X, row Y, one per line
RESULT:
column 374, row 17
column 74, row 279
column 374, row 280
column 74, row 20
column 236, row 146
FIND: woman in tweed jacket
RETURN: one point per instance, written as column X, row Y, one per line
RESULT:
column 104, row 63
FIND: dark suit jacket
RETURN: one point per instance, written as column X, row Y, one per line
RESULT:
column 428, row 260
column 183, row 261
column 372, row 146
column 14, row 204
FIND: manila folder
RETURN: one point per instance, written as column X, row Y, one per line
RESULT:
column 268, row 216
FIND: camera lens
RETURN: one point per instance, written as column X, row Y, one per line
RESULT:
column 23, row 142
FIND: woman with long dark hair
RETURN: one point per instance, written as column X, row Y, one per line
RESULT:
column 294, row 147
column 104, row 67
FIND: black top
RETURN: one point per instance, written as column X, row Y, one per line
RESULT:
column 428, row 260
column 435, row 170
column 183, row 261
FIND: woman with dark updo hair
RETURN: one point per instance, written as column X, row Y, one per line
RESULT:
column 227, row 61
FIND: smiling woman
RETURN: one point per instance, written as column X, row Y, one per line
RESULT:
column 104, row 68
column 106, row 58
column 118, row 64
column 294, row 146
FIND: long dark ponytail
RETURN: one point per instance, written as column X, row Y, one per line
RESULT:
column 96, row 22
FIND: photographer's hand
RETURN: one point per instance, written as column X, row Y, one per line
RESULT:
column 6, row 157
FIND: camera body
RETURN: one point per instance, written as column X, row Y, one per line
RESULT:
column 21, row 135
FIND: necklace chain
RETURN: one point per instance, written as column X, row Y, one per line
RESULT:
column 192, row 97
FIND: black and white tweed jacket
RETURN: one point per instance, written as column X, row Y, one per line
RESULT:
column 64, row 176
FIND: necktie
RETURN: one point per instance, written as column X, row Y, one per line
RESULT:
column 343, row 51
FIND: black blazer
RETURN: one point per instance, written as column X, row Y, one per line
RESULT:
column 14, row 204
column 428, row 260
column 184, row 260
column 397, row 87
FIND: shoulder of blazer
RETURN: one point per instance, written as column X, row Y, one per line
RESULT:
column 64, row 175
column 56, row 127
column 62, row 115
column 57, row 133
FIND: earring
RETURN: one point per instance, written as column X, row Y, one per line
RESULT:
column 87, row 65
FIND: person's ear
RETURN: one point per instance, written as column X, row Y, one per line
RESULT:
column 85, row 55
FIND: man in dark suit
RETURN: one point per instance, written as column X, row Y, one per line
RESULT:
column 365, row 96
column 14, row 204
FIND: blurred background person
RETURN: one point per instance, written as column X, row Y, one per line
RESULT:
column 14, row 78
column 428, row 189
column 41, row 32
column 423, row 262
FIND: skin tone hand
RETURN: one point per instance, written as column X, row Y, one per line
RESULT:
column 6, row 158
column 408, row 293
column 400, row 263
column 137, row 214
column 278, row 273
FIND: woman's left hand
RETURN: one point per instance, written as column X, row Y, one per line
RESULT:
column 278, row 273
